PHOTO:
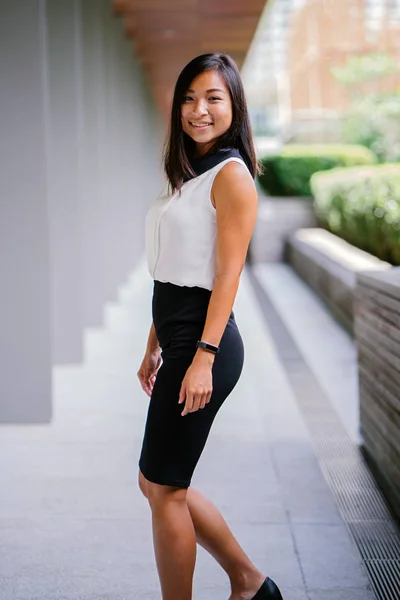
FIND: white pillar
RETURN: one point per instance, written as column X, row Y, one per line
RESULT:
column 25, row 329
column 63, row 43
column 93, row 214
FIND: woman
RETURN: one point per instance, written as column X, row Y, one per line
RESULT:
column 197, row 235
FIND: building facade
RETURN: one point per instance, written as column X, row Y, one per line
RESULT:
column 324, row 34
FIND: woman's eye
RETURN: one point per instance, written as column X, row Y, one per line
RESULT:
column 188, row 98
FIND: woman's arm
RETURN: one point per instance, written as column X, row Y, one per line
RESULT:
column 235, row 197
column 152, row 342
column 151, row 363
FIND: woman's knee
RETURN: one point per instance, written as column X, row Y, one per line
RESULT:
column 160, row 496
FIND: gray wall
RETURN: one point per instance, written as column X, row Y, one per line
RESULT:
column 80, row 148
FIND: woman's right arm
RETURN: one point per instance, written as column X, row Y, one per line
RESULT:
column 151, row 362
column 152, row 342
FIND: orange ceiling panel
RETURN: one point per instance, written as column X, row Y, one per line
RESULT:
column 168, row 33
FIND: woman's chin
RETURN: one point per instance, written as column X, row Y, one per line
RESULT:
column 200, row 136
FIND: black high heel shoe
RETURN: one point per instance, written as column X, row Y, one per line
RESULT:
column 268, row 591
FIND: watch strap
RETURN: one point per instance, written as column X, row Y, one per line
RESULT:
column 206, row 346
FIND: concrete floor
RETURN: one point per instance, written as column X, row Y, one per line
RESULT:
column 73, row 524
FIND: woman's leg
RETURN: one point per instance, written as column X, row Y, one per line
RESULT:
column 174, row 540
column 213, row 533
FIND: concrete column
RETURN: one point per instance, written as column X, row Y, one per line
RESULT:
column 129, row 153
column 25, row 330
column 93, row 214
column 113, row 151
column 120, row 158
column 145, row 147
column 63, row 42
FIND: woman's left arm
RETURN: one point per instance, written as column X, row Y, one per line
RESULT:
column 235, row 198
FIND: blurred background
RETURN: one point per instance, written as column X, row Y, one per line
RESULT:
column 86, row 89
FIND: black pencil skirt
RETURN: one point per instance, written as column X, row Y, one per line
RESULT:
column 172, row 444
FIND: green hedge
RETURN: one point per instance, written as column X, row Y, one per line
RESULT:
column 288, row 172
column 362, row 205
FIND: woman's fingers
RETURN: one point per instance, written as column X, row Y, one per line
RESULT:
column 182, row 393
column 146, row 388
column 195, row 400
column 196, row 403
column 146, row 382
column 203, row 401
column 151, row 382
column 190, row 397
column 188, row 405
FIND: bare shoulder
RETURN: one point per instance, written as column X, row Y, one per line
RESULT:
column 233, row 184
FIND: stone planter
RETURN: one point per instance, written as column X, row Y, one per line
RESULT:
column 364, row 292
column 330, row 266
column 377, row 330
column 277, row 219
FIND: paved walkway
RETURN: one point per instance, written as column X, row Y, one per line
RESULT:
column 73, row 524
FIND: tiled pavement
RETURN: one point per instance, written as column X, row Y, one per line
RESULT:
column 73, row 524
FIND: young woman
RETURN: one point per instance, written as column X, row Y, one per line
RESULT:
column 197, row 236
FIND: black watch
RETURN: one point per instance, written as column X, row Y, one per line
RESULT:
column 209, row 347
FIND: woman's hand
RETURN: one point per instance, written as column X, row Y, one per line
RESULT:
column 196, row 386
column 148, row 370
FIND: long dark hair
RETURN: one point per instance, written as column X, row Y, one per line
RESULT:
column 179, row 147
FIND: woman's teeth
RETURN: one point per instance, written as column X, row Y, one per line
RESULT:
column 201, row 125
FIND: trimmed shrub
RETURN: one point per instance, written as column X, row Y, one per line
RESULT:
column 288, row 172
column 269, row 179
column 362, row 205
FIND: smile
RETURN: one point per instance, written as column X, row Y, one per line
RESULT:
column 200, row 125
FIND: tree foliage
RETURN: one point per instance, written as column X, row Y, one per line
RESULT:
column 373, row 119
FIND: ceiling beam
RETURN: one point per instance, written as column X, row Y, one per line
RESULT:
column 167, row 34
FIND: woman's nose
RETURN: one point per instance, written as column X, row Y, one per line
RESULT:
column 200, row 107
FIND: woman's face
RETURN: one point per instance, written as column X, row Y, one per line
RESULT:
column 206, row 111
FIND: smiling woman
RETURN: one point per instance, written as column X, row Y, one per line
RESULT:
column 209, row 113
column 197, row 236
column 206, row 110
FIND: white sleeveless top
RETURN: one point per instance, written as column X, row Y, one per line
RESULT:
column 181, row 233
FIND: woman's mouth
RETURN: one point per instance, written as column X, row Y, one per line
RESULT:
column 200, row 126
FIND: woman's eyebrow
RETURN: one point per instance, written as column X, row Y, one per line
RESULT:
column 208, row 91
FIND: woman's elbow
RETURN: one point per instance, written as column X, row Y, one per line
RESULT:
column 229, row 274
